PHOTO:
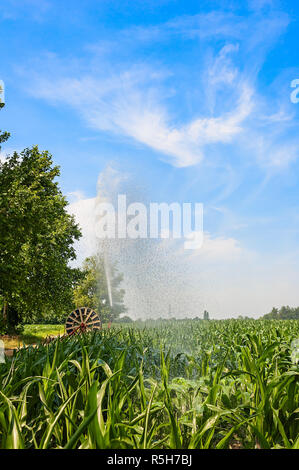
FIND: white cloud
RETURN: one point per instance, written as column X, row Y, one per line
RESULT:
column 217, row 249
column 83, row 211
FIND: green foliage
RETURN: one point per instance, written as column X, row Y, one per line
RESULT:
column 49, row 317
column 37, row 235
column 125, row 319
column 284, row 313
column 189, row 385
column 92, row 291
column 4, row 136
column 206, row 315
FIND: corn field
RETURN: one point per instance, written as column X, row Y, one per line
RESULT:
column 173, row 385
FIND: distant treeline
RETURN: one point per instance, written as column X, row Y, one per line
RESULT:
column 284, row 313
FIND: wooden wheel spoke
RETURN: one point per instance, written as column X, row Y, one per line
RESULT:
column 76, row 321
column 93, row 317
column 92, row 322
column 80, row 310
column 90, row 313
column 82, row 319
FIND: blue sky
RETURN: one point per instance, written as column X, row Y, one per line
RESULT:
column 192, row 100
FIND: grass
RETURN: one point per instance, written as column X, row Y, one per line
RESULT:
column 33, row 334
column 196, row 385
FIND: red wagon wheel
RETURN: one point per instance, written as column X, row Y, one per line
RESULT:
column 81, row 320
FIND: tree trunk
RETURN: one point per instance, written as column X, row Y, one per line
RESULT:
column 5, row 315
column 5, row 311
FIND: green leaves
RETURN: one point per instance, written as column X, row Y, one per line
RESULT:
column 37, row 236
column 4, row 136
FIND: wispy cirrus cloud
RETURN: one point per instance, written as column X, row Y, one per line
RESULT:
column 128, row 104
column 141, row 100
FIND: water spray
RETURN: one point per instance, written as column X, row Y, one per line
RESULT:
column 108, row 280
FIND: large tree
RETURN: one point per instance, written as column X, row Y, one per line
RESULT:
column 284, row 313
column 36, row 237
column 92, row 291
